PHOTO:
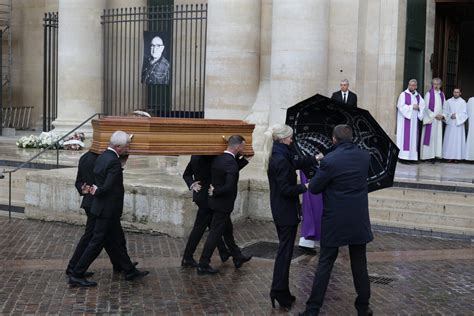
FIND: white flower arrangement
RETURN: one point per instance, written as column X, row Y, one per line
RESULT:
column 46, row 139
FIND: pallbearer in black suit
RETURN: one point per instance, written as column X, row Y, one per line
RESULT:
column 222, row 194
column 107, row 206
column 342, row 178
column 344, row 95
column 84, row 181
column 197, row 176
column 281, row 164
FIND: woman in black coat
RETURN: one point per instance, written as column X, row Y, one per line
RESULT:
column 282, row 164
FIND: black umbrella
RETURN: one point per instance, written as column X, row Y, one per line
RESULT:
column 313, row 121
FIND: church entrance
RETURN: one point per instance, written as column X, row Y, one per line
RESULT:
column 454, row 46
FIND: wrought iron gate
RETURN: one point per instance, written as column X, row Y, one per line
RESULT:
column 50, row 69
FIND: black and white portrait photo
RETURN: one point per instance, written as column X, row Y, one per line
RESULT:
column 156, row 65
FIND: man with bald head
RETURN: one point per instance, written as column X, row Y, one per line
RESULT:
column 156, row 68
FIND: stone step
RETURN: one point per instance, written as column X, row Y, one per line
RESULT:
column 433, row 196
column 469, row 231
column 448, row 209
column 421, row 219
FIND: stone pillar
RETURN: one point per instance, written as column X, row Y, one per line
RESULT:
column 261, row 107
column 299, row 53
column 80, row 63
column 232, row 61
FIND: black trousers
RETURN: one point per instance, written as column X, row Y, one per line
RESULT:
column 106, row 231
column 281, row 270
column 221, row 226
column 360, row 275
column 86, row 238
column 202, row 221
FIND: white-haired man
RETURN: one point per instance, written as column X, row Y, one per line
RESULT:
column 344, row 95
column 432, row 134
column 410, row 107
column 107, row 206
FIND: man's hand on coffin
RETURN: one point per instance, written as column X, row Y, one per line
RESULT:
column 196, row 186
column 211, row 190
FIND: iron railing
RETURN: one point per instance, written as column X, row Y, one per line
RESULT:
column 50, row 69
column 171, row 88
column 27, row 163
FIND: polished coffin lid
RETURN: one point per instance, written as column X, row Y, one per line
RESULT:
column 171, row 136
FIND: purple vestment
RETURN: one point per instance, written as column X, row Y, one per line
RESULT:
column 312, row 210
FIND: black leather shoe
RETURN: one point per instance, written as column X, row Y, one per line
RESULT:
column 206, row 269
column 86, row 275
column 81, row 282
column 119, row 269
column 189, row 263
column 136, row 274
column 239, row 261
column 367, row 312
column 309, row 313
column 224, row 256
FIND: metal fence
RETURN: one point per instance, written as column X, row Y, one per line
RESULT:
column 155, row 60
column 17, row 117
column 50, row 70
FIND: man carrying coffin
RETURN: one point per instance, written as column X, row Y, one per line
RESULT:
column 455, row 113
column 410, row 107
column 432, row 134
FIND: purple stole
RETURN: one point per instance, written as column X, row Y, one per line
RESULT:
column 406, row 134
column 431, row 106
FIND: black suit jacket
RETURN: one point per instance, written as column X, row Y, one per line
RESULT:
column 284, row 187
column 225, row 178
column 108, row 198
column 199, row 169
column 351, row 98
column 85, row 174
column 342, row 178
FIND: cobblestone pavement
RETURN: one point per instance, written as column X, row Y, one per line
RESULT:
column 426, row 276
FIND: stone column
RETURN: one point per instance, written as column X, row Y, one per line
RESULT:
column 299, row 53
column 232, row 61
column 80, row 54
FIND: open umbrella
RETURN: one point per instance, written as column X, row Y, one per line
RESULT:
column 313, row 121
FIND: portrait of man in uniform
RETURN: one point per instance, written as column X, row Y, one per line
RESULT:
column 156, row 67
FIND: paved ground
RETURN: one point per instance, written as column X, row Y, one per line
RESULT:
column 430, row 276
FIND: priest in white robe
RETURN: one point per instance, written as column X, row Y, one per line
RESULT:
column 455, row 113
column 432, row 133
column 470, row 133
column 410, row 107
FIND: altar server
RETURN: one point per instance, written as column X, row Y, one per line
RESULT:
column 410, row 107
column 470, row 134
column 432, row 134
column 455, row 113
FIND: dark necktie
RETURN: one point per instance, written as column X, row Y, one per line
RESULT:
column 345, row 98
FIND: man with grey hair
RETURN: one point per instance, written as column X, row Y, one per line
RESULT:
column 410, row 107
column 344, row 95
column 107, row 206
column 432, row 133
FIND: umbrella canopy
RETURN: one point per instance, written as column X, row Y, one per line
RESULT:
column 313, row 121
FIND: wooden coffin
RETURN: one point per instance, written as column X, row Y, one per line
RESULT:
column 171, row 136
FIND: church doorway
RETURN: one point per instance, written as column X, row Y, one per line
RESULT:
column 454, row 46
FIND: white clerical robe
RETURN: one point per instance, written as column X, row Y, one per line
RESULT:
column 470, row 135
column 435, row 147
column 407, row 131
column 454, row 143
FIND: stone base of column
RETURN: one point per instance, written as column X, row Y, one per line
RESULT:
column 63, row 126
